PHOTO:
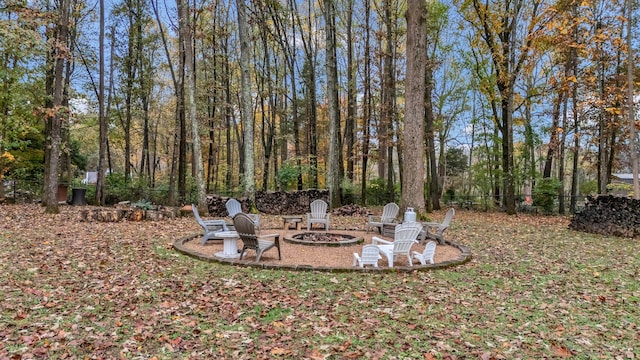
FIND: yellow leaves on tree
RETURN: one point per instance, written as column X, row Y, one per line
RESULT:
column 6, row 159
column 613, row 110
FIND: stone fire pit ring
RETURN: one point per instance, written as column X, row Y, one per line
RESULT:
column 323, row 239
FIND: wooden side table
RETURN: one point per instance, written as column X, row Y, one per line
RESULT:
column 388, row 229
column 296, row 220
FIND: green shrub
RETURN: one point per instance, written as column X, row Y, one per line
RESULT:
column 348, row 191
column 143, row 204
column 288, row 175
column 589, row 187
column 377, row 192
column 449, row 195
column 116, row 188
column 545, row 194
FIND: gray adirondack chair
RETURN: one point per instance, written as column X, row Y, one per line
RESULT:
column 210, row 227
column 245, row 226
column 436, row 230
column 234, row 207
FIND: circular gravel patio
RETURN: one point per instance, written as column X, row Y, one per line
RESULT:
column 320, row 258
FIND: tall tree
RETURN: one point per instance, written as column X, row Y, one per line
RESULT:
column 436, row 19
column 333, row 174
column 631, row 114
column 309, row 76
column 509, row 44
column 388, row 106
column 57, row 114
column 604, row 76
column 413, row 164
column 246, row 113
column 21, row 43
column 291, row 60
column 350, row 121
column 178, row 111
column 184, row 16
column 102, row 121
column 366, row 101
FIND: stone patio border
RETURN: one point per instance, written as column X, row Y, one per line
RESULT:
column 465, row 256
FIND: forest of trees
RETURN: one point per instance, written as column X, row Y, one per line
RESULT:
column 375, row 99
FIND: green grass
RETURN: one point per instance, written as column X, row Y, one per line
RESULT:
column 533, row 290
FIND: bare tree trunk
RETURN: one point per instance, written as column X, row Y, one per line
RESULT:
column 247, row 115
column 128, row 97
column 631, row 114
column 179, row 113
column 190, row 86
column 291, row 61
column 182, row 127
column 310, row 96
column 553, row 138
column 413, row 186
column 602, row 137
column 269, row 115
column 211, row 110
column 228, row 115
column 434, row 184
column 59, row 113
column 350, row 122
column 576, row 139
column 561, row 159
column 366, row 103
column 333, row 175
column 385, row 127
column 529, row 147
column 100, row 195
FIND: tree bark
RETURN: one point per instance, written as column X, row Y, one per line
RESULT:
column 413, row 165
column 630, row 108
column 434, row 183
column 366, row 103
column 333, row 178
column 247, row 114
column 58, row 114
column 351, row 95
column 100, row 195
column 190, row 86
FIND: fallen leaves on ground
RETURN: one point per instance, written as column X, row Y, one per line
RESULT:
column 534, row 289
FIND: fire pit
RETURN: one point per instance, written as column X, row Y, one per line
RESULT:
column 323, row 239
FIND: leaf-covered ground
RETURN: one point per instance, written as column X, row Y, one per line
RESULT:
column 534, row 289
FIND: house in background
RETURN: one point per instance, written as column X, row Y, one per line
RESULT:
column 621, row 184
column 622, row 178
column 91, row 177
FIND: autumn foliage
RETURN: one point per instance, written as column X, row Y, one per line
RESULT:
column 534, row 290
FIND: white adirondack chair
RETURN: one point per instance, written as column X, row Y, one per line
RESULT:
column 318, row 214
column 427, row 254
column 403, row 239
column 233, row 208
column 210, row 227
column 370, row 256
column 389, row 214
